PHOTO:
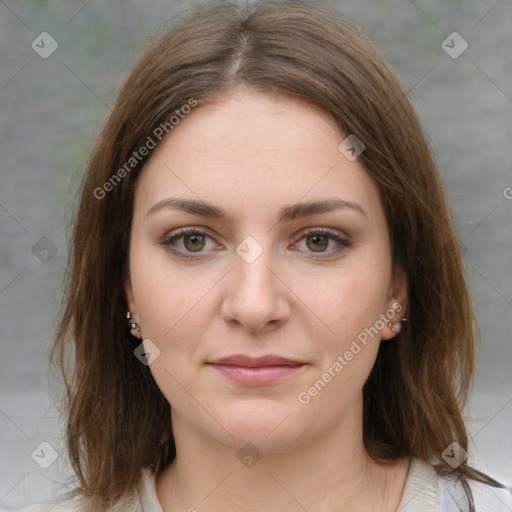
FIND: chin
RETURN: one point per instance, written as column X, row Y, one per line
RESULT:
column 267, row 424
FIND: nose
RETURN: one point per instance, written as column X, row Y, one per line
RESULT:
column 254, row 296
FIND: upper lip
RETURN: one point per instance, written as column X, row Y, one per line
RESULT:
column 247, row 361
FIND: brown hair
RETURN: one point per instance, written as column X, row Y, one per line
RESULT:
column 118, row 420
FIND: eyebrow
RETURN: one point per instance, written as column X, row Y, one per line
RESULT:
column 287, row 213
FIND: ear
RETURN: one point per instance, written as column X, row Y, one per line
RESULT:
column 132, row 309
column 396, row 304
column 130, row 300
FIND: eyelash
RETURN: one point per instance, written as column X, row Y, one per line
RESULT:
column 344, row 243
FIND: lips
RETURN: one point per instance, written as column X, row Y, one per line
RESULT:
column 254, row 362
column 256, row 371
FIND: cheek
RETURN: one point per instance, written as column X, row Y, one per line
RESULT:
column 173, row 311
column 349, row 304
column 349, row 300
column 346, row 358
column 167, row 300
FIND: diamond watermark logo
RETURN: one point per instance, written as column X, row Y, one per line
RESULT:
column 454, row 455
column 44, row 455
column 249, row 250
column 249, row 455
column 147, row 352
column 44, row 250
column 44, row 45
column 454, row 45
column 351, row 147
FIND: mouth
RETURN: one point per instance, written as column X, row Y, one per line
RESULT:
column 256, row 371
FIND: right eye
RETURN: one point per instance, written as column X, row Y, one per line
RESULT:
column 187, row 241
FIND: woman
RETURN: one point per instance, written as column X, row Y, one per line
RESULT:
column 266, row 300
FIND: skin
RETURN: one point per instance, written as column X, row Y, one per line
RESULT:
column 303, row 297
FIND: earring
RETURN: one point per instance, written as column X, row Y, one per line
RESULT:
column 134, row 326
column 397, row 326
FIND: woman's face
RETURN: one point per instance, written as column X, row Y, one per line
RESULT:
column 260, row 267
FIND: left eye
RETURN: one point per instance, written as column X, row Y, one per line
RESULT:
column 319, row 241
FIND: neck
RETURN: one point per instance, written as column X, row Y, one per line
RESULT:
column 330, row 473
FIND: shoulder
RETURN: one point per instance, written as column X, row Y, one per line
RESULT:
column 144, row 499
column 68, row 505
column 486, row 498
column 426, row 491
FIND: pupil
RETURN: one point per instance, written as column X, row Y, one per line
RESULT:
column 317, row 242
column 193, row 242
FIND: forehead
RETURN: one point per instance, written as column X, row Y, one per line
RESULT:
column 253, row 150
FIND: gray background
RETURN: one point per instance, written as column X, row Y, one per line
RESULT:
column 52, row 109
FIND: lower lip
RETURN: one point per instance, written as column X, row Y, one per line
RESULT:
column 258, row 375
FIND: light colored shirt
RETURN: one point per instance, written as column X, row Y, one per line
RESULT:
column 424, row 491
